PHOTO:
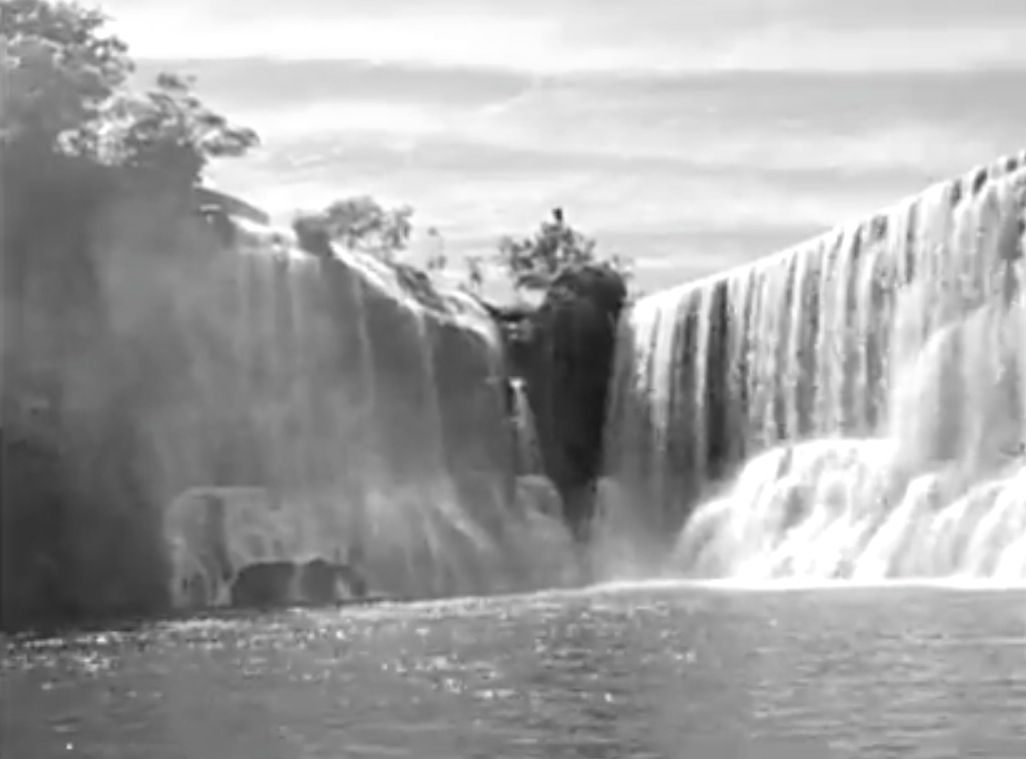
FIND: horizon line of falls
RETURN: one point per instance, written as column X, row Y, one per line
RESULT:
column 854, row 407
column 330, row 408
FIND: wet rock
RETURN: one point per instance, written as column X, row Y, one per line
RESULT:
column 325, row 582
column 264, row 585
column 353, row 579
column 275, row 584
column 313, row 238
column 318, row 582
column 563, row 350
column 538, row 494
column 187, row 353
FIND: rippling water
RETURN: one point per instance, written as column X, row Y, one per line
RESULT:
column 643, row 671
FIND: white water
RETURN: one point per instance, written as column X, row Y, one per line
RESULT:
column 529, row 459
column 852, row 408
column 330, row 407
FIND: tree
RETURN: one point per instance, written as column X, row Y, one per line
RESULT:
column 361, row 223
column 169, row 132
column 65, row 92
column 59, row 69
column 534, row 262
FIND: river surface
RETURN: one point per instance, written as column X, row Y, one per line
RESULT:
column 666, row 670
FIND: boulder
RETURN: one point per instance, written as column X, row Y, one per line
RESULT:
column 264, row 585
column 326, row 582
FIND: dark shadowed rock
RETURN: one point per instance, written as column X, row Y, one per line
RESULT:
column 313, row 237
column 564, row 352
column 274, row 584
column 264, row 585
column 319, row 581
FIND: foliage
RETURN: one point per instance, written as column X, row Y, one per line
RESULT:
column 169, row 132
column 59, row 69
column 361, row 223
column 65, row 91
column 534, row 262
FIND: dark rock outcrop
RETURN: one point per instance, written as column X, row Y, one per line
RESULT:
column 563, row 350
column 318, row 581
column 278, row 584
column 323, row 582
column 264, row 585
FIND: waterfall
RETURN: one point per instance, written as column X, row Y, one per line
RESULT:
column 852, row 407
column 333, row 406
column 529, row 459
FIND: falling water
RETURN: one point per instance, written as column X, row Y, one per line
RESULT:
column 354, row 404
column 529, row 461
column 853, row 407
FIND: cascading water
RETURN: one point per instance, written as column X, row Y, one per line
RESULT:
column 529, row 460
column 332, row 406
column 865, row 391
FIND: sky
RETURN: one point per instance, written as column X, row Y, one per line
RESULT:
column 689, row 136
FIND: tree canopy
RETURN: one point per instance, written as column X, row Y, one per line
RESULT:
column 66, row 91
column 361, row 223
column 534, row 262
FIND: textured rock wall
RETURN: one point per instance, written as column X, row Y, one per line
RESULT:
column 148, row 351
column 564, row 351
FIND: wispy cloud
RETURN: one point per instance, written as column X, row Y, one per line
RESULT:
column 471, row 143
column 690, row 134
column 592, row 36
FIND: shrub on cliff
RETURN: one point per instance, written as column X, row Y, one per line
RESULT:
column 358, row 223
column 535, row 262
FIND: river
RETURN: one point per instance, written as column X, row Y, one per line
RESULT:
column 647, row 670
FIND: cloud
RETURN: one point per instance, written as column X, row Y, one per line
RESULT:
column 692, row 135
column 593, row 37
column 536, row 132
column 497, row 193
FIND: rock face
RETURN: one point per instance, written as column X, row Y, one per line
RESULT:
column 564, row 352
column 275, row 584
column 321, row 581
column 79, row 536
column 362, row 398
column 264, row 585
column 179, row 353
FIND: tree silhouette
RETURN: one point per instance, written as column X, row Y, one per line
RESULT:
column 361, row 223
column 534, row 262
column 65, row 92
